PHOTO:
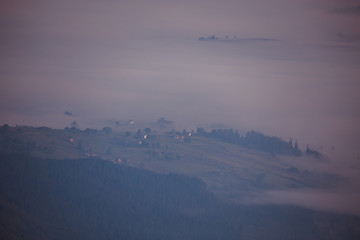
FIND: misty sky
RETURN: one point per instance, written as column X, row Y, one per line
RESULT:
column 288, row 68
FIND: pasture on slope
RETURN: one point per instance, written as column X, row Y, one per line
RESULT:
column 231, row 171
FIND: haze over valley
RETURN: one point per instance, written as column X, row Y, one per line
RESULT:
column 248, row 109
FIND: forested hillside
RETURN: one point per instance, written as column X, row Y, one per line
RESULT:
column 257, row 140
column 96, row 199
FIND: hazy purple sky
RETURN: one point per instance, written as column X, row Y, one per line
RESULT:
column 142, row 60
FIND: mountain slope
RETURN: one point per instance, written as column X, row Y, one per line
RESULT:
column 229, row 170
column 96, row 199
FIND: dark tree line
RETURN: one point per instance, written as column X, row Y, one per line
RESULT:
column 310, row 151
column 253, row 140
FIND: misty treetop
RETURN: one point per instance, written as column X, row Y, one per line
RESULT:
column 310, row 151
column 253, row 140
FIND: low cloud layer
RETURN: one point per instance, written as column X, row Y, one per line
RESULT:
column 336, row 202
column 142, row 60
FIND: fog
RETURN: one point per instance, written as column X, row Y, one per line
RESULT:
column 343, row 198
column 287, row 68
column 327, row 201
